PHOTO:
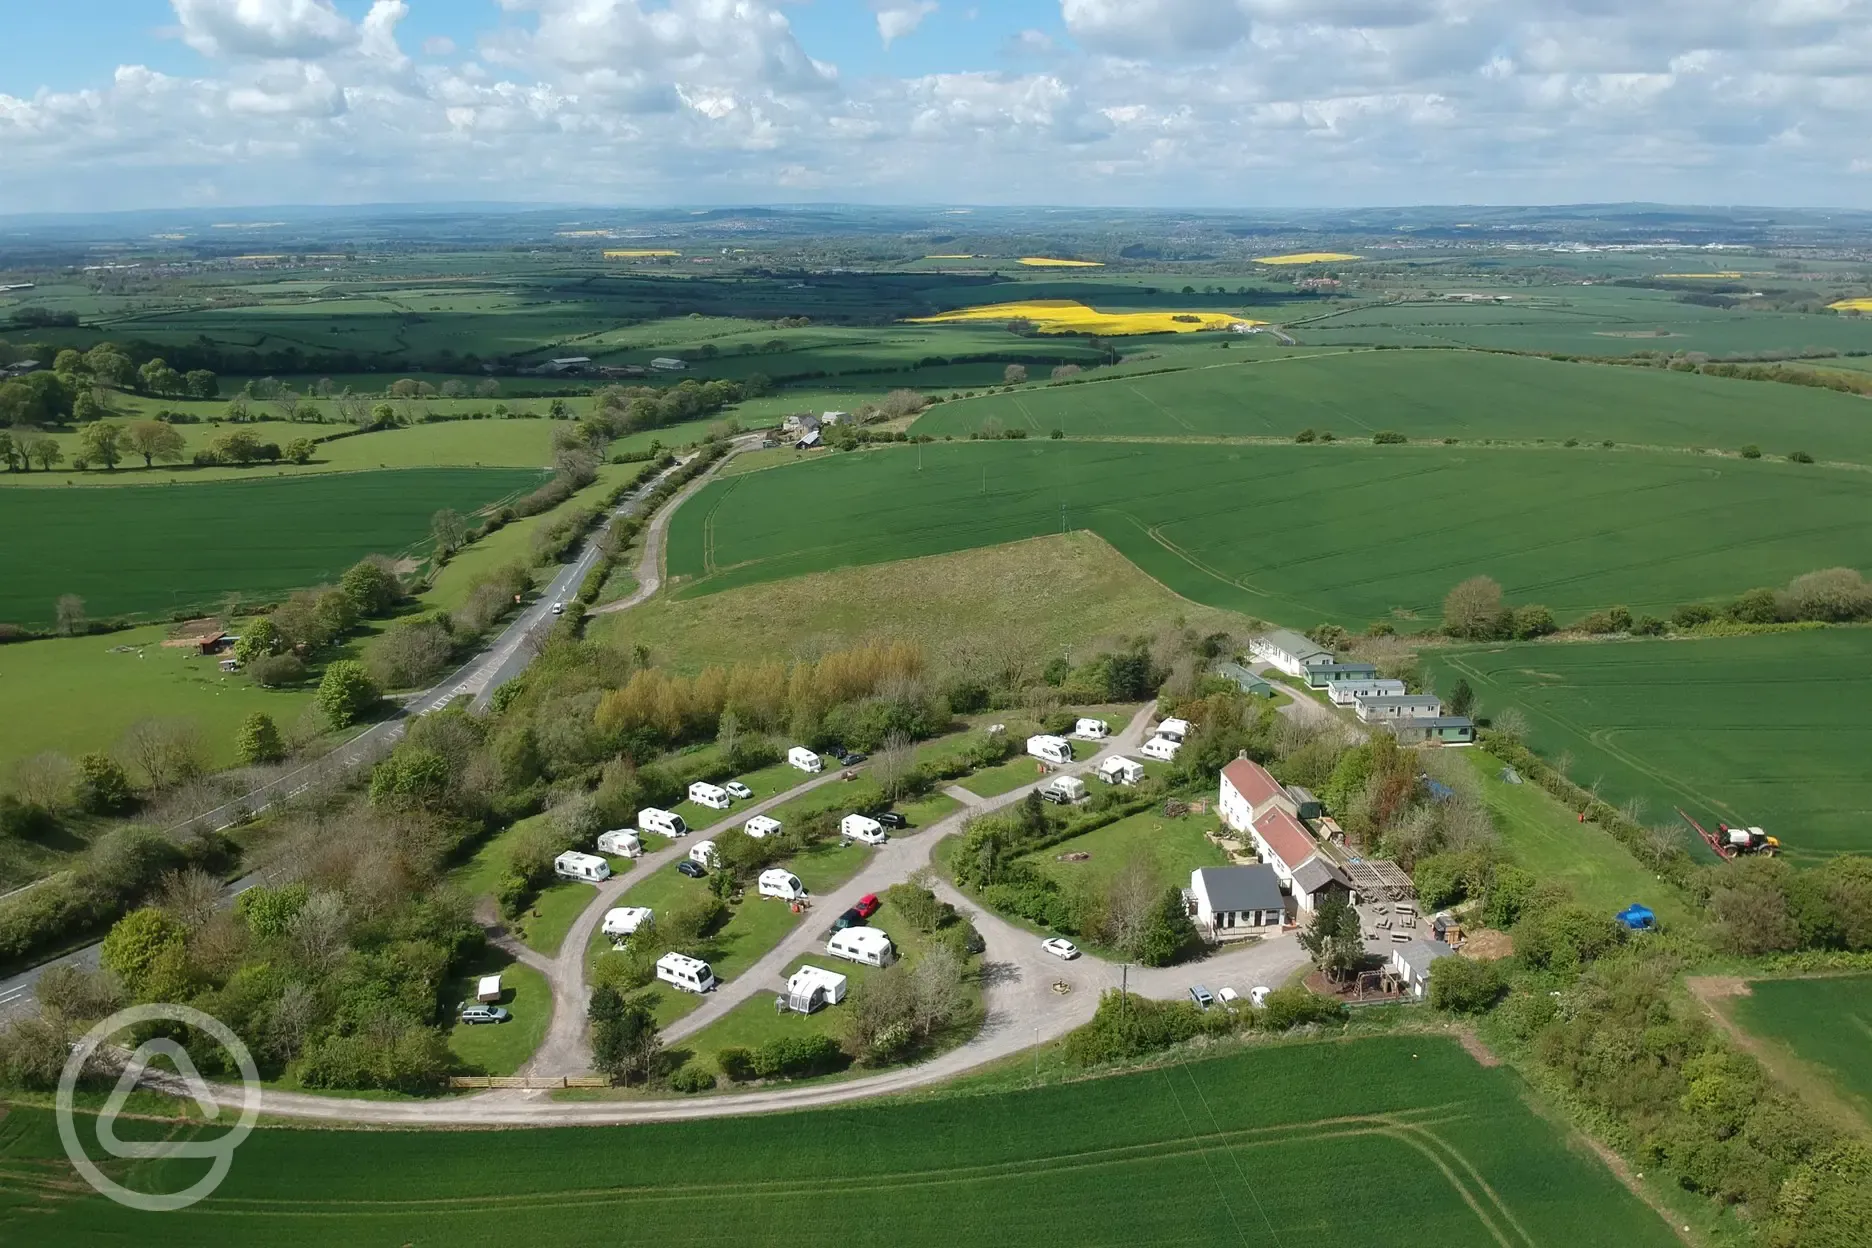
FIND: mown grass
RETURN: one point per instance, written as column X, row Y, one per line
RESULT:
column 1174, row 847
column 502, row 1048
column 1259, row 1148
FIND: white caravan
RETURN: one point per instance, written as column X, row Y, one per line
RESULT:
column 1121, row 770
column 620, row 843
column 867, row 945
column 761, row 827
column 661, row 822
column 863, row 829
column 1091, row 730
column 573, row 865
column 781, row 883
column 704, row 852
column 804, row 759
column 1050, row 749
column 1163, row 749
column 622, row 921
column 712, row 796
column 684, row 972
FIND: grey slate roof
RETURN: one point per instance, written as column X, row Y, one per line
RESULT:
column 1419, row 954
column 1242, row 888
column 1314, row 874
column 1293, row 643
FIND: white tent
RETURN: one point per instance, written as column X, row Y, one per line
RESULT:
column 489, row 989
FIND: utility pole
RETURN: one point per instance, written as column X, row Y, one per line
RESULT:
column 1124, row 991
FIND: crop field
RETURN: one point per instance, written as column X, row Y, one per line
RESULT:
column 1055, row 316
column 1264, row 1149
column 1301, row 534
column 1309, row 257
column 1825, row 1022
column 1766, row 730
column 1434, row 394
column 158, row 549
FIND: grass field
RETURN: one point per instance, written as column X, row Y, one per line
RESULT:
column 1765, row 730
column 1176, row 846
column 1302, row 534
column 502, row 1048
column 160, row 549
column 1825, row 1022
column 1435, row 394
column 1263, row 1149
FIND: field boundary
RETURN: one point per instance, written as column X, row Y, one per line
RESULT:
column 1810, row 1083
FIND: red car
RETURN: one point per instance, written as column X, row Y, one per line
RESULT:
column 867, row 905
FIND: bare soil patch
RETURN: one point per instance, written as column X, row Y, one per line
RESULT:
column 1473, row 1046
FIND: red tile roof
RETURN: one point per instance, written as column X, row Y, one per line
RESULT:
column 1285, row 837
column 1253, row 782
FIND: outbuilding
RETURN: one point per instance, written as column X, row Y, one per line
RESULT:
column 1236, row 901
column 760, row 827
column 573, row 865
column 1049, row 748
column 1288, row 651
column 1411, row 962
column 1121, row 770
column 866, row 945
column 804, row 759
column 813, row 988
column 622, row 921
column 1244, row 679
column 781, row 883
column 863, row 829
column 620, row 843
column 712, row 796
column 684, row 972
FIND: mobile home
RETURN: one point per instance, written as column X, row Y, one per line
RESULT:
column 661, row 822
column 1163, row 749
column 1050, row 749
column 804, row 759
column 1348, row 692
column 712, row 796
column 684, row 972
column 622, row 921
column 813, row 987
column 620, row 843
column 866, row 945
column 1120, row 770
column 705, row 853
column 761, row 827
column 781, row 883
column 573, row 865
column 862, row 828
column 1091, row 730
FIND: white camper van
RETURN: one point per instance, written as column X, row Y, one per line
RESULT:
column 804, row 759
column 704, row 853
column 622, row 921
column 684, row 972
column 863, row 829
column 573, row 865
column 1091, row 730
column 867, row 945
column 1050, row 749
column 1163, row 749
column 620, row 843
column 661, row 822
column 1174, row 729
column 1121, row 770
column 761, row 827
column 781, row 883
column 712, row 796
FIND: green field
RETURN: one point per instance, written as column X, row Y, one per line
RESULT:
column 155, row 550
column 1435, row 394
column 1827, row 1023
column 1302, row 534
column 1765, row 730
column 1263, row 1148
column 501, row 1048
column 1176, row 846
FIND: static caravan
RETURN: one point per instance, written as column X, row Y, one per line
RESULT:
column 1050, row 749
column 781, row 883
column 704, row 852
column 1163, row 749
column 1121, row 770
column 661, row 822
column 712, row 796
column 620, row 843
column 1174, row 729
column 760, row 827
column 813, row 987
column 862, row 828
column 1348, row 692
column 1066, row 789
column 804, row 759
column 623, row 921
column 1091, row 730
column 573, row 865
column 866, row 945
column 684, row 972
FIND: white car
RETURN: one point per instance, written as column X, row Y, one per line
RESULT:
column 1061, row 948
column 558, row 608
column 740, row 792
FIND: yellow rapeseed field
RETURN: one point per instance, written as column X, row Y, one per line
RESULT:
column 1066, row 316
column 1852, row 305
column 1730, row 276
column 1043, row 262
column 961, row 256
column 637, row 255
column 1308, row 257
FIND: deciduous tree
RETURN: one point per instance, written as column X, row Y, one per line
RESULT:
column 69, row 614
column 346, row 693
column 1473, row 610
column 258, row 740
column 154, row 440
column 102, row 443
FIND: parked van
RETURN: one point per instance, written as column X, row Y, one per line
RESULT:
column 684, row 972
column 573, row 865
column 867, row 945
column 620, row 843
column 804, row 759
column 1163, row 749
column 661, row 822
column 1050, row 749
column 781, row 883
column 705, row 853
column 760, row 827
column 863, row 829
column 712, row 796
column 1091, row 730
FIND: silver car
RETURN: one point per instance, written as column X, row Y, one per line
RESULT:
column 484, row 1014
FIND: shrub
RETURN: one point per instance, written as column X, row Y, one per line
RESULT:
column 103, row 787
column 1307, row 435
column 1610, row 620
column 1751, row 451
column 276, row 671
column 692, row 1079
column 1800, row 457
column 1531, row 621
column 1293, row 1006
column 1388, row 437
column 1648, row 626
column 371, row 588
column 258, row 740
column 1831, row 594
column 26, row 820
column 736, row 1063
column 1464, row 985
column 1131, row 1026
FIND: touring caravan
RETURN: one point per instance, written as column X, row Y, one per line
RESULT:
column 661, row 822
column 705, row 853
column 712, row 796
column 863, row 829
column 1120, row 770
column 813, row 987
column 761, row 827
column 804, row 759
column 1064, row 790
column 573, row 865
column 1050, row 749
column 1091, row 730
column 623, row 921
column 866, row 945
column 684, row 972
column 781, row 883
column 620, row 843
column 1174, row 729
column 1163, row 749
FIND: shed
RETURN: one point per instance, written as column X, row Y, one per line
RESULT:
column 1317, row 881
column 1244, row 679
column 1411, row 962
column 488, row 989
column 1306, row 806
column 812, row 988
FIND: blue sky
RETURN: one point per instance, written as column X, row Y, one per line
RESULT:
column 1254, row 103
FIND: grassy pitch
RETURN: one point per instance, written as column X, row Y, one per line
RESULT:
column 1353, row 1144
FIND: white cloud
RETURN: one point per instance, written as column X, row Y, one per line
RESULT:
column 897, row 18
column 263, row 28
column 438, row 45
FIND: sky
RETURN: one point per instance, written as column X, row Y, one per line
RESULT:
column 123, row 104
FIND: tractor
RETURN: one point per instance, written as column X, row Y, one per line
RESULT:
column 1731, row 842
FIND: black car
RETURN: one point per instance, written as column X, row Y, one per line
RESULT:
column 851, row 918
column 691, row 868
column 891, row 819
column 851, row 758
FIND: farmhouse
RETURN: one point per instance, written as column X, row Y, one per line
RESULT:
column 1236, row 901
column 1434, row 730
column 1251, row 800
column 1288, row 651
column 1326, row 675
column 1411, row 963
column 1400, row 706
column 1348, row 692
